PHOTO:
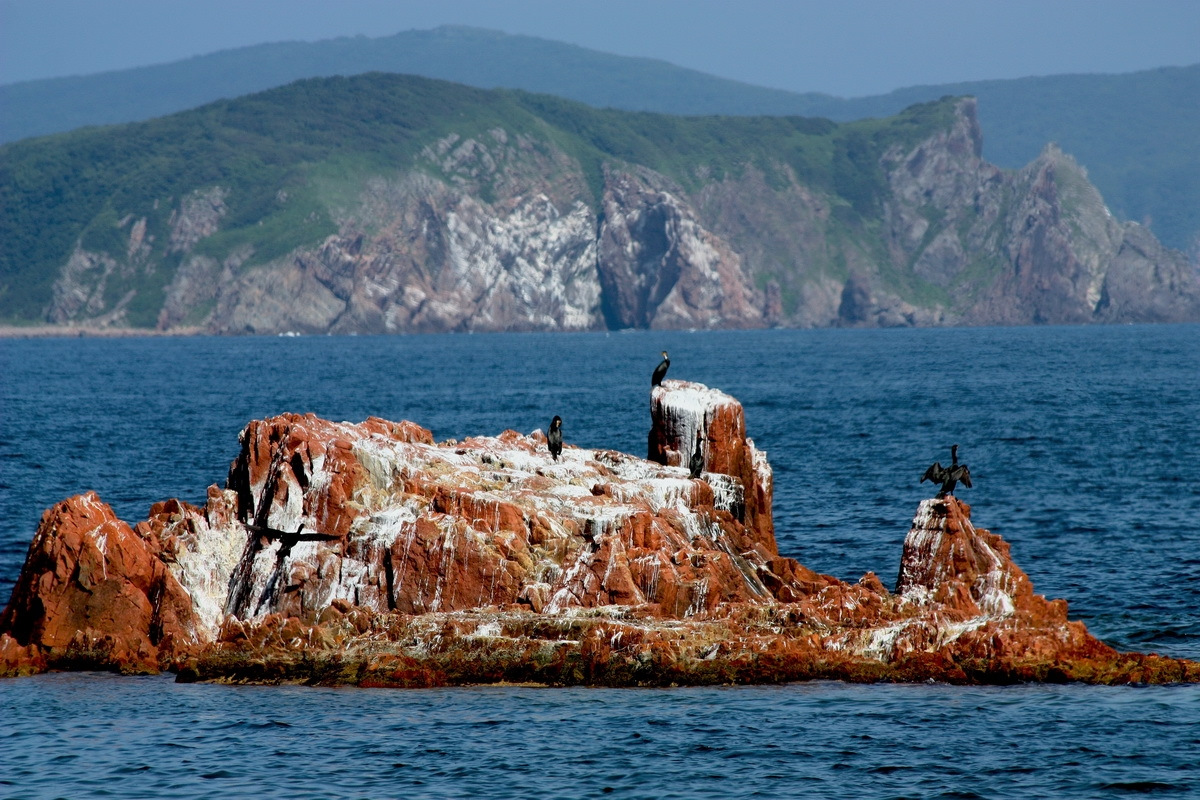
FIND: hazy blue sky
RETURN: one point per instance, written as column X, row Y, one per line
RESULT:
column 846, row 47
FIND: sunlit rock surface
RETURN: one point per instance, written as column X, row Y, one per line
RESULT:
column 369, row 554
column 95, row 593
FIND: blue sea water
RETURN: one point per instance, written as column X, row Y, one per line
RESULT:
column 1084, row 448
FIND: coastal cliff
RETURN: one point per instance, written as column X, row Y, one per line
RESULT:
column 369, row 554
column 515, row 213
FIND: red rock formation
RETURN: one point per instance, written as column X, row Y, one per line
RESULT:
column 966, row 571
column 96, row 592
column 418, row 527
column 368, row 554
column 984, row 600
column 679, row 411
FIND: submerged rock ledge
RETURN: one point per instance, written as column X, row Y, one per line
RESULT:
column 370, row 555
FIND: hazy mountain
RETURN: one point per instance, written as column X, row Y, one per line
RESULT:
column 471, row 56
column 389, row 203
column 1136, row 134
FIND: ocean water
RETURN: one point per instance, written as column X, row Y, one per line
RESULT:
column 1084, row 448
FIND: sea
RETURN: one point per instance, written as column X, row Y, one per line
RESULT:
column 1084, row 450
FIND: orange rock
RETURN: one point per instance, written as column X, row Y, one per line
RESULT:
column 967, row 571
column 88, row 571
column 368, row 553
column 679, row 411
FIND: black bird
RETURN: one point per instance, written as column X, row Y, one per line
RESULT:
column 696, row 465
column 950, row 475
column 660, row 371
column 554, row 437
column 288, row 539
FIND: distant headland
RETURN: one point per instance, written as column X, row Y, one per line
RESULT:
column 382, row 203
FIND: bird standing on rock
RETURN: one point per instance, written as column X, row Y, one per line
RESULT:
column 950, row 475
column 660, row 371
column 554, row 437
column 697, row 463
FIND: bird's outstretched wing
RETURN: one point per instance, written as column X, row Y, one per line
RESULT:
column 290, row 538
column 964, row 477
column 316, row 537
column 934, row 474
column 269, row 532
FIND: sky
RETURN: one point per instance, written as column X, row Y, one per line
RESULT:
column 842, row 47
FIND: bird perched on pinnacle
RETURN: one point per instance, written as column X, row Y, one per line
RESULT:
column 554, row 437
column 660, row 371
column 948, row 476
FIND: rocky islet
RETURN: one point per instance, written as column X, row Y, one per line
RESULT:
column 484, row 560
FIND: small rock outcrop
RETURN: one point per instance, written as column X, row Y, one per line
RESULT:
column 681, row 412
column 95, row 593
column 369, row 554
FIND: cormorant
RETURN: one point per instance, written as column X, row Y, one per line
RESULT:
column 696, row 465
column 554, row 437
column 288, row 539
column 660, row 371
column 950, row 475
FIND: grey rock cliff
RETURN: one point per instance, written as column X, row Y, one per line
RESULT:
column 1034, row 246
column 423, row 254
column 661, row 268
column 504, row 231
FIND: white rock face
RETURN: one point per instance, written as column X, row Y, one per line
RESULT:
column 207, row 558
column 504, row 240
column 392, row 524
column 533, row 266
column 443, row 260
column 686, row 410
column 502, row 230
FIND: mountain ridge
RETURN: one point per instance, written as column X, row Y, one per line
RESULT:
column 385, row 203
column 1133, row 131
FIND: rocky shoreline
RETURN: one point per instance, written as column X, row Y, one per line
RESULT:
column 88, row 332
column 367, row 554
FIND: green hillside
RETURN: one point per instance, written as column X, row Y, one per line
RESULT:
column 1136, row 133
column 472, row 56
column 310, row 140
